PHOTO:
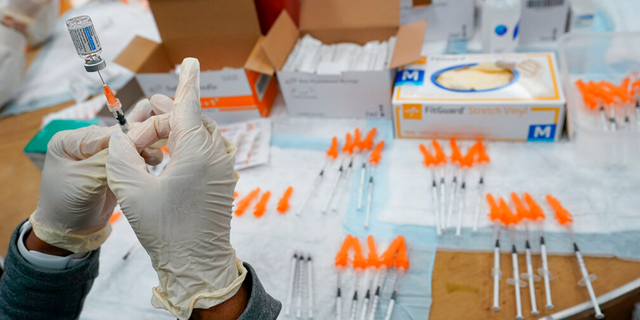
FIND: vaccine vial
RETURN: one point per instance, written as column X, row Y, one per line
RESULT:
column 86, row 41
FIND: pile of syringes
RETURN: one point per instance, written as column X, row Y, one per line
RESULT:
column 373, row 271
column 526, row 216
column 615, row 104
column 356, row 148
column 446, row 200
column 300, row 285
column 88, row 47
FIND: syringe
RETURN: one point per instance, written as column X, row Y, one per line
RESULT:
column 476, row 214
column 496, row 215
column 88, row 47
column 538, row 215
column 430, row 162
column 292, row 280
column 528, row 216
column 332, row 154
column 115, row 107
column 374, row 159
column 566, row 219
column 364, row 146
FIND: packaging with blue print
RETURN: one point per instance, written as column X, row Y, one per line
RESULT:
column 512, row 97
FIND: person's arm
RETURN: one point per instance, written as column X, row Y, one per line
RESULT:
column 29, row 291
column 251, row 302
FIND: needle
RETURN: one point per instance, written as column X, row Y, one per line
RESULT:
column 374, row 158
column 101, row 79
column 292, row 277
column 332, row 153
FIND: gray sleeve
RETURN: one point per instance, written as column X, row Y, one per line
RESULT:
column 31, row 292
column 261, row 305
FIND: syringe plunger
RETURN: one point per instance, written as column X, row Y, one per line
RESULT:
column 86, row 41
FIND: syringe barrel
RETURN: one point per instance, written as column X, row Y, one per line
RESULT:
column 86, row 42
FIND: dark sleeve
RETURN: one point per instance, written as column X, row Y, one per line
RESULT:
column 31, row 292
column 261, row 305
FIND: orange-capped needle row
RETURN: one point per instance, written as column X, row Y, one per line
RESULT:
column 500, row 212
column 595, row 94
column 477, row 154
column 352, row 142
column 396, row 254
column 261, row 207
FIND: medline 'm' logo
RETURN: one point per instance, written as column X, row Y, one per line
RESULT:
column 542, row 132
column 412, row 111
column 408, row 76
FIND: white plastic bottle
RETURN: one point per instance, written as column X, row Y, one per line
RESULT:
column 500, row 21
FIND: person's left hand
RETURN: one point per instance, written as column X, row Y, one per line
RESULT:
column 75, row 203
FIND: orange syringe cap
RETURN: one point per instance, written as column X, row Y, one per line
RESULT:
column 389, row 256
column 342, row 258
column 111, row 98
column 429, row 160
column 375, row 156
column 348, row 144
column 333, row 150
column 372, row 259
column 367, row 143
column 467, row 160
column 441, row 157
column 534, row 208
column 357, row 138
column 562, row 215
column 283, row 204
column 521, row 211
column 508, row 217
column 244, row 203
column 359, row 262
column 402, row 259
column 456, row 155
column 494, row 211
column 483, row 157
column 261, row 206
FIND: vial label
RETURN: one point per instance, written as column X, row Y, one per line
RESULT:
column 85, row 40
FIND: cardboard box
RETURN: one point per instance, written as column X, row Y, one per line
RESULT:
column 352, row 94
column 236, row 79
column 530, row 107
column 447, row 19
column 543, row 21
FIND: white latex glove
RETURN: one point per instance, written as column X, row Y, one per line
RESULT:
column 12, row 59
column 183, row 217
column 75, row 203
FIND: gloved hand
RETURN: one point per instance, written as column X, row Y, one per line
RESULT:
column 75, row 203
column 183, row 217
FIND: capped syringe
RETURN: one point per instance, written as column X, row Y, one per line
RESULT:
column 85, row 40
column 115, row 107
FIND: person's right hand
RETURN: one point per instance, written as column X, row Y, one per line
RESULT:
column 183, row 217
